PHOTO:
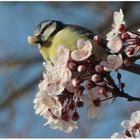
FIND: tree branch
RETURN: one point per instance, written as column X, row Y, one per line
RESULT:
column 128, row 97
column 15, row 62
column 19, row 92
column 117, row 92
column 134, row 68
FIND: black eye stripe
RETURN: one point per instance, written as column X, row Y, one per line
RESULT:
column 40, row 30
column 45, row 27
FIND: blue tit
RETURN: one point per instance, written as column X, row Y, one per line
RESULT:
column 50, row 34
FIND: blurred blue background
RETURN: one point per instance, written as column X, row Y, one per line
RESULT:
column 21, row 66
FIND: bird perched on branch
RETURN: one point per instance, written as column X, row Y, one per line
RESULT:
column 50, row 34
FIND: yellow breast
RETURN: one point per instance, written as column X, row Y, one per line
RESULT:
column 68, row 38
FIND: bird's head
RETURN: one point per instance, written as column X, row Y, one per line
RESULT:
column 44, row 31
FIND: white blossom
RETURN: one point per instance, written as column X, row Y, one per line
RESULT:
column 113, row 62
column 65, row 126
column 46, row 105
column 114, row 44
column 83, row 51
column 132, row 127
column 69, row 86
column 93, row 94
column 127, row 134
column 139, row 30
column 55, row 79
column 135, row 119
column 56, row 73
column 61, row 57
column 118, row 21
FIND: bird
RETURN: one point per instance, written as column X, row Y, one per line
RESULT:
column 49, row 34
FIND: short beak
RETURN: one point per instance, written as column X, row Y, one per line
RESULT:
column 33, row 40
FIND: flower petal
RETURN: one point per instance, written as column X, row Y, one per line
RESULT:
column 135, row 116
column 113, row 62
column 114, row 44
column 118, row 17
column 83, row 50
column 43, row 103
column 62, row 56
column 127, row 124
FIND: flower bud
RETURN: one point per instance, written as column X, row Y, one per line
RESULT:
column 119, row 76
column 124, row 36
column 97, row 40
column 76, row 82
column 72, row 66
column 122, row 28
column 97, row 102
column 81, row 68
column 65, row 116
column 99, row 68
column 136, row 126
column 80, row 104
column 127, row 133
column 72, row 106
column 122, row 85
column 75, row 116
column 103, row 90
column 96, row 78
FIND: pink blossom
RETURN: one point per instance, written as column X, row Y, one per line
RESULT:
column 132, row 127
column 55, row 79
column 118, row 21
column 83, row 51
column 65, row 126
column 61, row 57
column 45, row 104
column 135, row 119
column 113, row 62
column 114, row 44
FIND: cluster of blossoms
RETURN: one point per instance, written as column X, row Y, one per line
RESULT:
column 72, row 79
column 76, row 78
column 132, row 127
column 122, row 43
